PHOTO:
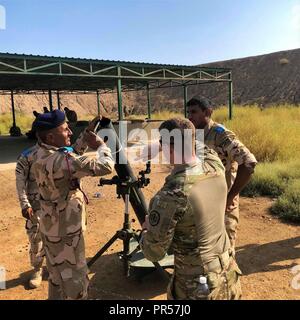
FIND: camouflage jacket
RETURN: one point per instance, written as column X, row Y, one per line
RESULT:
column 25, row 182
column 231, row 151
column 26, row 185
column 188, row 215
column 57, row 172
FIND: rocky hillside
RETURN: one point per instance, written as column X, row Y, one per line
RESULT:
column 267, row 79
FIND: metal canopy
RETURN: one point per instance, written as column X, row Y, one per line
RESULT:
column 28, row 72
column 20, row 73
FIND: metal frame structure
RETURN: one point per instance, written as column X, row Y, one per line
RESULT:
column 28, row 73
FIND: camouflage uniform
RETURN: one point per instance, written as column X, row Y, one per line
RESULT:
column 188, row 215
column 62, row 219
column 29, row 197
column 232, row 154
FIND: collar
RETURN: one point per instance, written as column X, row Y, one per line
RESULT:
column 208, row 127
column 47, row 146
column 183, row 167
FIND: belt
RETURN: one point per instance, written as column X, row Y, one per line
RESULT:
column 217, row 265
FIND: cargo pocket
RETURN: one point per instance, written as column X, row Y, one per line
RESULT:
column 233, row 279
column 49, row 219
column 218, row 286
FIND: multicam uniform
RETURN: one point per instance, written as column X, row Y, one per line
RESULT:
column 29, row 197
column 62, row 219
column 188, row 215
column 232, row 154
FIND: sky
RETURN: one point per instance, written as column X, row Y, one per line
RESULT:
column 184, row 32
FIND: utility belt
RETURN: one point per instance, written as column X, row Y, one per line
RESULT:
column 218, row 265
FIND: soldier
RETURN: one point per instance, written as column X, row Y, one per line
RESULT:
column 30, row 206
column 57, row 169
column 71, row 116
column 238, row 161
column 187, row 214
column 29, row 201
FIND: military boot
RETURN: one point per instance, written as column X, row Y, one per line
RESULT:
column 36, row 278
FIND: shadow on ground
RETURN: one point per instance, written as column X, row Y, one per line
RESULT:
column 23, row 280
column 109, row 282
column 254, row 258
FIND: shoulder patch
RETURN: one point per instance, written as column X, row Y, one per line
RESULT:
column 219, row 129
column 66, row 149
column 26, row 152
column 154, row 218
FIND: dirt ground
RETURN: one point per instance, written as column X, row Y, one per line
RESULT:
column 267, row 249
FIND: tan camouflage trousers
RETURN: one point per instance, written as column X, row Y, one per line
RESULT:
column 231, row 221
column 67, row 267
column 222, row 286
column 36, row 250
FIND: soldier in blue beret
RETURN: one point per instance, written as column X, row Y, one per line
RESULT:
column 57, row 167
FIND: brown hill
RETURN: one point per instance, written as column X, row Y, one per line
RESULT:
column 266, row 79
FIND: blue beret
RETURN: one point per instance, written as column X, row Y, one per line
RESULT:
column 50, row 120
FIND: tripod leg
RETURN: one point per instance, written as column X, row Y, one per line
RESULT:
column 126, row 240
column 103, row 249
column 126, row 257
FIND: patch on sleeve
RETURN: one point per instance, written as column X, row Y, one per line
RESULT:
column 219, row 129
column 154, row 218
column 26, row 152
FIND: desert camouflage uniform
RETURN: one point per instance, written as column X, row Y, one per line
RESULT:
column 28, row 197
column 232, row 154
column 188, row 215
column 28, row 194
column 62, row 218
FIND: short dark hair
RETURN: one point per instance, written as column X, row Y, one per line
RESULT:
column 181, row 124
column 200, row 101
column 177, row 123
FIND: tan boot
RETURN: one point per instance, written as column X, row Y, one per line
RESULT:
column 36, row 278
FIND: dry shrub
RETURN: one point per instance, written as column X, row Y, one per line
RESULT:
column 284, row 61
